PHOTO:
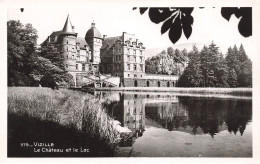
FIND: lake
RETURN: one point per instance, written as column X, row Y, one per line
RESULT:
column 175, row 125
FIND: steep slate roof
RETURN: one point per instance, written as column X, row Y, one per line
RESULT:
column 67, row 29
column 82, row 42
column 108, row 42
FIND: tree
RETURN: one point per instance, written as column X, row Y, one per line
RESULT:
column 167, row 62
column 192, row 75
column 48, row 81
column 206, row 68
column 242, row 54
column 245, row 77
column 26, row 66
column 21, row 43
column 178, row 20
column 51, row 61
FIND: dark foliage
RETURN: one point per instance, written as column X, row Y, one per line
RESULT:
column 208, row 68
column 48, row 81
column 21, row 43
column 245, row 24
column 26, row 65
column 177, row 20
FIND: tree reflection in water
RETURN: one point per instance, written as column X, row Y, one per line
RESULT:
column 194, row 115
column 202, row 115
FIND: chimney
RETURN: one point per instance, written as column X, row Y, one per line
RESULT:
column 104, row 37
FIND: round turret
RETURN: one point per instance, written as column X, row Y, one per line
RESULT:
column 93, row 32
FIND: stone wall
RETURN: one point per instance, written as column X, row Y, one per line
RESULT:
column 127, row 82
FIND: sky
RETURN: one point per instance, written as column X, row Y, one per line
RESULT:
column 208, row 25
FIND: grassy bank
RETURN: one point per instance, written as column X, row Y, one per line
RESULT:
column 232, row 91
column 67, row 118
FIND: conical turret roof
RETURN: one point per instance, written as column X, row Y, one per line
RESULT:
column 67, row 29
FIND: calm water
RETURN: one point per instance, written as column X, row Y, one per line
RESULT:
column 169, row 125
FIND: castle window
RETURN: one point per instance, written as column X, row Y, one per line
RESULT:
column 76, row 66
column 72, row 57
column 119, row 58
column 66, row 65
column 141, row 67
column 134, row 51
column 135, row 67
column 128, row 58
column 135, row 59
column 67, row 56
column 135, row 75
column 128, row 50
column 141, row 59
column 141, row 52
column 128, row 75
column 83, row 67
column 67, row 42
column 128, row 66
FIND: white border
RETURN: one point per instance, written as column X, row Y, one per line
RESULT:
column 142, row 3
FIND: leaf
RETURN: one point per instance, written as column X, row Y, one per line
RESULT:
column 142, row 10
column 187, row 10
column 166, row 25
column 187, row 22
column 175, row 30
column 226, row 12
column 245, row 24
column 158, row 15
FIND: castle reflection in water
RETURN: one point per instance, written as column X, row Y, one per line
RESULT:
column 193, row 115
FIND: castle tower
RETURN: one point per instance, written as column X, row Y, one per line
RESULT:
column 94, row 40
column 68, row 45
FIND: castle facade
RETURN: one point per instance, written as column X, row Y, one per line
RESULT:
column 102, row 61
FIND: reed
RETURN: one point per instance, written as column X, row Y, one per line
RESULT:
column 65, row 107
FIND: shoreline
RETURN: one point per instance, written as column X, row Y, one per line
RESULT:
column 231, row 91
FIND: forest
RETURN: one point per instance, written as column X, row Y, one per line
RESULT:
column 210, row 68
column 205, row 68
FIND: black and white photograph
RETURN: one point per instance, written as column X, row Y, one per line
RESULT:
column 97, row 80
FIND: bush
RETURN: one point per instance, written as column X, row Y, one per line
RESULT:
column 48, row 81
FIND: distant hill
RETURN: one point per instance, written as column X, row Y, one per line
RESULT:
column 150, row 52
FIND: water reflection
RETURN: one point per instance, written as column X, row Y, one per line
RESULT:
column 193, row 115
